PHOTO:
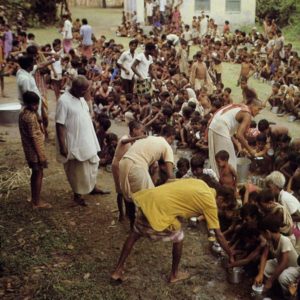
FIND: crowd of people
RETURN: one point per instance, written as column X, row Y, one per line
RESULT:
column 173, row 103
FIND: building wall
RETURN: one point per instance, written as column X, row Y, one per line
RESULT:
column 219, row 13
column 95, row 3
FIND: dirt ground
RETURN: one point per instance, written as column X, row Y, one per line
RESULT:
column 68, row 252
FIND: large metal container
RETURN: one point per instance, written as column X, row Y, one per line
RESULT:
column 9, row 112
column 243, row 165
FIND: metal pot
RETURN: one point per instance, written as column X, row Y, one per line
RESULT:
column 9, row 112
column 193, row 222
column 257, row 292
column 224, row 261
column 216, row 248
column 271, row 152
column 275, row 109
column 235, row 275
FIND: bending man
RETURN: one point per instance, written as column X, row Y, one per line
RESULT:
column 227, row 121
column 157, row 218
column 134, row 166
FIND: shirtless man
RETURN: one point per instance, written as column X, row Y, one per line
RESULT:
column 136, row 131
column 198, row 76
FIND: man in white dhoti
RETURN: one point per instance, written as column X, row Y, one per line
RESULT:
column 77, row 141
column 134, row 166
column 227, row 121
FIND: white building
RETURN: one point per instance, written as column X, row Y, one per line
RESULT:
column 240, row 12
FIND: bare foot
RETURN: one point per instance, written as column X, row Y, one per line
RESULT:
column 180, row 276
column 42, row 205
column 118, row 277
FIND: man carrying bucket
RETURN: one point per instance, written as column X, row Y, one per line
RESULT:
column 227, row 121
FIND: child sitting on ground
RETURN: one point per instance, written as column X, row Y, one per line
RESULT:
column 283, row 267
column 262, row 164
column 274, row 99
column 32, row 138
column 108, row 150
column 197, row 169
column 183, row 166
column 103, row 125
column 227, row 173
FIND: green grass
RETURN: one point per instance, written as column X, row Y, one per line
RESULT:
column 290, row 32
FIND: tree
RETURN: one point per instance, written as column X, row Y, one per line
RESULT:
column 35, row 10
column 279, row 10
column 104, row 4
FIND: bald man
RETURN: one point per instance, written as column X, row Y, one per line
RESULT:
column 77, row 141
column 227, row 121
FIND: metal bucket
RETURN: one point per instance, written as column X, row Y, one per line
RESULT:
column 275, row 109
column 235, row 275
column 9, row 112
column 243, row 165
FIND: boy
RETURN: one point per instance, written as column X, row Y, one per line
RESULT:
column 227, row 96
column 198, row 170
column 136, row 131
column 33, row 145
column 227, row 173
column 247, row 69
column 274, row 99
column 284, row 265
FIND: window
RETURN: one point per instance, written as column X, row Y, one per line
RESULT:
column 202, row 5
column 233, row 5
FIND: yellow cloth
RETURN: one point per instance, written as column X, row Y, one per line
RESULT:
column 183, row 198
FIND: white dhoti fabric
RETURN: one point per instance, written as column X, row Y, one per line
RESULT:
column 133, row 178
column 82, row 175
column 199, row 83
column 286, row 278
column 216, row 143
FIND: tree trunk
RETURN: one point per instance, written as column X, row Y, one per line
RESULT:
column 104, row 3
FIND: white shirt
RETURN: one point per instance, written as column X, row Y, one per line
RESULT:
column 143, row 66
column 81, row 139
column 25, row 83
column 149, row 9
column 57, row 67
column 162, row 5
column 187, row 36
column 173, row 38
column 290, row 202
column 126, row 60
column 86, row 33
column 67, row 30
